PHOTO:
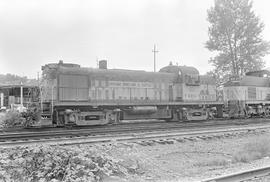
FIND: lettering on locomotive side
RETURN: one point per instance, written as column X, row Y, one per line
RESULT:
column 131, row 84
column 114, row 84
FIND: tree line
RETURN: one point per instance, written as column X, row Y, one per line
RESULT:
column 15, row 79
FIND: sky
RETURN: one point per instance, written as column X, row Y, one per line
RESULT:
column 123, row 32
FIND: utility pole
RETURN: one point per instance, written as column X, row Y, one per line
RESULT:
column 97, row 62
column 40, row 92
column 155, row 51
column 21, row 94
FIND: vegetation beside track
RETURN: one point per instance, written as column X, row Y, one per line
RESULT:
column 54, row 163
column 257, row 148
column 13, row 119
column 174, row 160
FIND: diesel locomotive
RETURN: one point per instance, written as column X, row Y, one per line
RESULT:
column 248, row 95
column 75, row 95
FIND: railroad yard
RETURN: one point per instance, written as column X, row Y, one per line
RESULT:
column 82, row 98
column 195, row 151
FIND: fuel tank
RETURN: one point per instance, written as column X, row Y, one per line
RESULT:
column 142, row 110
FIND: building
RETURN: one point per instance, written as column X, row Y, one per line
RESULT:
column 17, row 94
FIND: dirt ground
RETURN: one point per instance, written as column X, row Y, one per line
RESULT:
column 188, row 160
column 197, row 160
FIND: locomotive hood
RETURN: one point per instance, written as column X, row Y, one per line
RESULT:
column 183, row 70
column 119, row 74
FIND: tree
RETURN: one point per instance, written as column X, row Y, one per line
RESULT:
column 219, row 77
column 235, row 34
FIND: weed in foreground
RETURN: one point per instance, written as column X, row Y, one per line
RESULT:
column 214, row 161
column 258, row 148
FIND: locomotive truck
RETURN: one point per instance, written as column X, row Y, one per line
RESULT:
column 75, row 95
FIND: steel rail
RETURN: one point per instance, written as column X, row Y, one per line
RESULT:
column 134, row 125
column 242, row 176
column 130, row 136
column 105, row 130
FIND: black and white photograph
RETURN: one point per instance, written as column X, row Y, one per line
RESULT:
column 134, row 91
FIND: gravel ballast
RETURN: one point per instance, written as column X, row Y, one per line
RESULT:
column 197, row 159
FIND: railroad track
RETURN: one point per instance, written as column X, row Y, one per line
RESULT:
column 245, row 176
column 221, row 121
column 126, row 134
column 133, row 127
column 218, row 122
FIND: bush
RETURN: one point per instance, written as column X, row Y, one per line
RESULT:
column 46, row 163
column 15, row 119
column 255, row 149
column 31, row 117
column 131, row 159
column 12, row 119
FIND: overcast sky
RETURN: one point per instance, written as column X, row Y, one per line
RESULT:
column 37, row 32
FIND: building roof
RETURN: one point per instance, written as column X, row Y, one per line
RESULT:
column 17, row 85
column 28, row 83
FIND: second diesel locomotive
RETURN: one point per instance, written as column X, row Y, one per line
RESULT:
column 248, row 95
column 72, row 94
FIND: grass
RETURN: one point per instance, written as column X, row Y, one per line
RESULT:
column 213, row 161
column 258, row 148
